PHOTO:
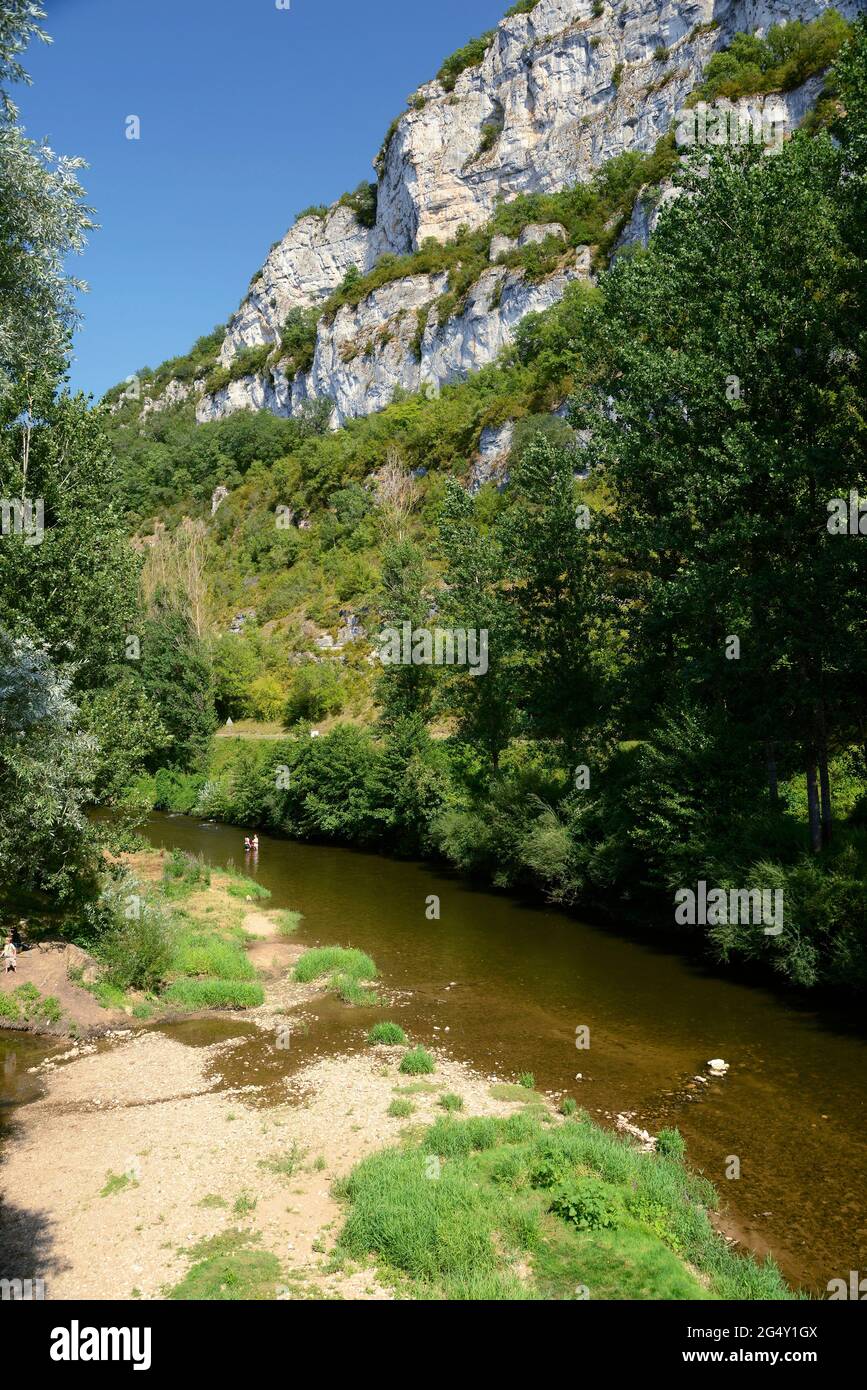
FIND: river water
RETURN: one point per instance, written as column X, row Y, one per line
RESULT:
column 504, row 986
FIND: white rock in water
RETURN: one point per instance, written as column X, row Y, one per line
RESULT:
column 718, row 1066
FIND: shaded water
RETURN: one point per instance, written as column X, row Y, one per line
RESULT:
column 507, row 985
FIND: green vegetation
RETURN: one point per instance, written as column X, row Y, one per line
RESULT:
column 362, row 201
column 469, row 56
column 608, row 644
column 229, row 1268
column 400, row 1109
column 784, row 59
column 25, row 1004
column 417, row 1062
column 389, row 1033
column 117, row 1182
column 450, row 1101
column 192, row 994
column 576, row 1207
column 184, row 874
column 348, row 970
column 286, row 1165
column 287, row 921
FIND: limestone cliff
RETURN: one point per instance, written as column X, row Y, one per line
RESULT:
column 560, row 90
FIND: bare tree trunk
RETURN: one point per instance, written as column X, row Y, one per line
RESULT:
column 773, row 782
column 825, row 791
column 824, row 775
column 813, row 806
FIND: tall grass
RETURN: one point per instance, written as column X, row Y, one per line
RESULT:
column 454, row 1215
column 346, row 968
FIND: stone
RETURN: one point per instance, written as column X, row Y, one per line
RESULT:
column 547, row 80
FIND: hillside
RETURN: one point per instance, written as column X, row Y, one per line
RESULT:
column 404, row 418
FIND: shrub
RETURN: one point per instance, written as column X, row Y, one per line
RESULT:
column 417, row 1062
column 136, row 951
column 469, row 56
column 585, row 1202
column 298, row 338
column 783, row 59
column 389, row 1033
column 569, row 1107
column 315, row 693
column 184, row 872
column 670, row 1144
column 548, row 1170
column 401, row 1109
column 527, row 1080
column 363, row 201
column 449, row 1101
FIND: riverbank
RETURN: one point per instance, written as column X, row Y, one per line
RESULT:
column 606, row 852
column 231, row 1156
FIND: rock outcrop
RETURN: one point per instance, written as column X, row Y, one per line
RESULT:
column 559, row 91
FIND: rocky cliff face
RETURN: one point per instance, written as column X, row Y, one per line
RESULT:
column 559, row 91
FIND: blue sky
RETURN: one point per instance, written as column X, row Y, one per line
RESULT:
column 248, row 114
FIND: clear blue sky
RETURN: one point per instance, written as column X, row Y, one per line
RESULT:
column 248, row 114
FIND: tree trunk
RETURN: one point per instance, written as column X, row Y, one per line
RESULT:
column 825, row 791
column 773, row 784
column 824, row 775
column 813, row 807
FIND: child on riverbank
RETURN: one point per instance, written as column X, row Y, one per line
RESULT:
column 9, row 954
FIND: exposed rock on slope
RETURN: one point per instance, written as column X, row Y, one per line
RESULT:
column 558, row 92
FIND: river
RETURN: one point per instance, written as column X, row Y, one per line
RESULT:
column 504, row 986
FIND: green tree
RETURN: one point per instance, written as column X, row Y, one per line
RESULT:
column 726, row 406
column 177, row 675
column 46, row 775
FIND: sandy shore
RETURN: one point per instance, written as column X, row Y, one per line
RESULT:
column 145, row 1109
column 139, row 1149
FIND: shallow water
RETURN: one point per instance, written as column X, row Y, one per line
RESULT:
column 504, row 986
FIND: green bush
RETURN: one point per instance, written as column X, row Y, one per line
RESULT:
column 586, row 1203
column 136, row 950
column 417, row 1062
column 388, row 1033
column 315, row 693
column 469, row 56
column 783, row 59
column 670, row 1143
